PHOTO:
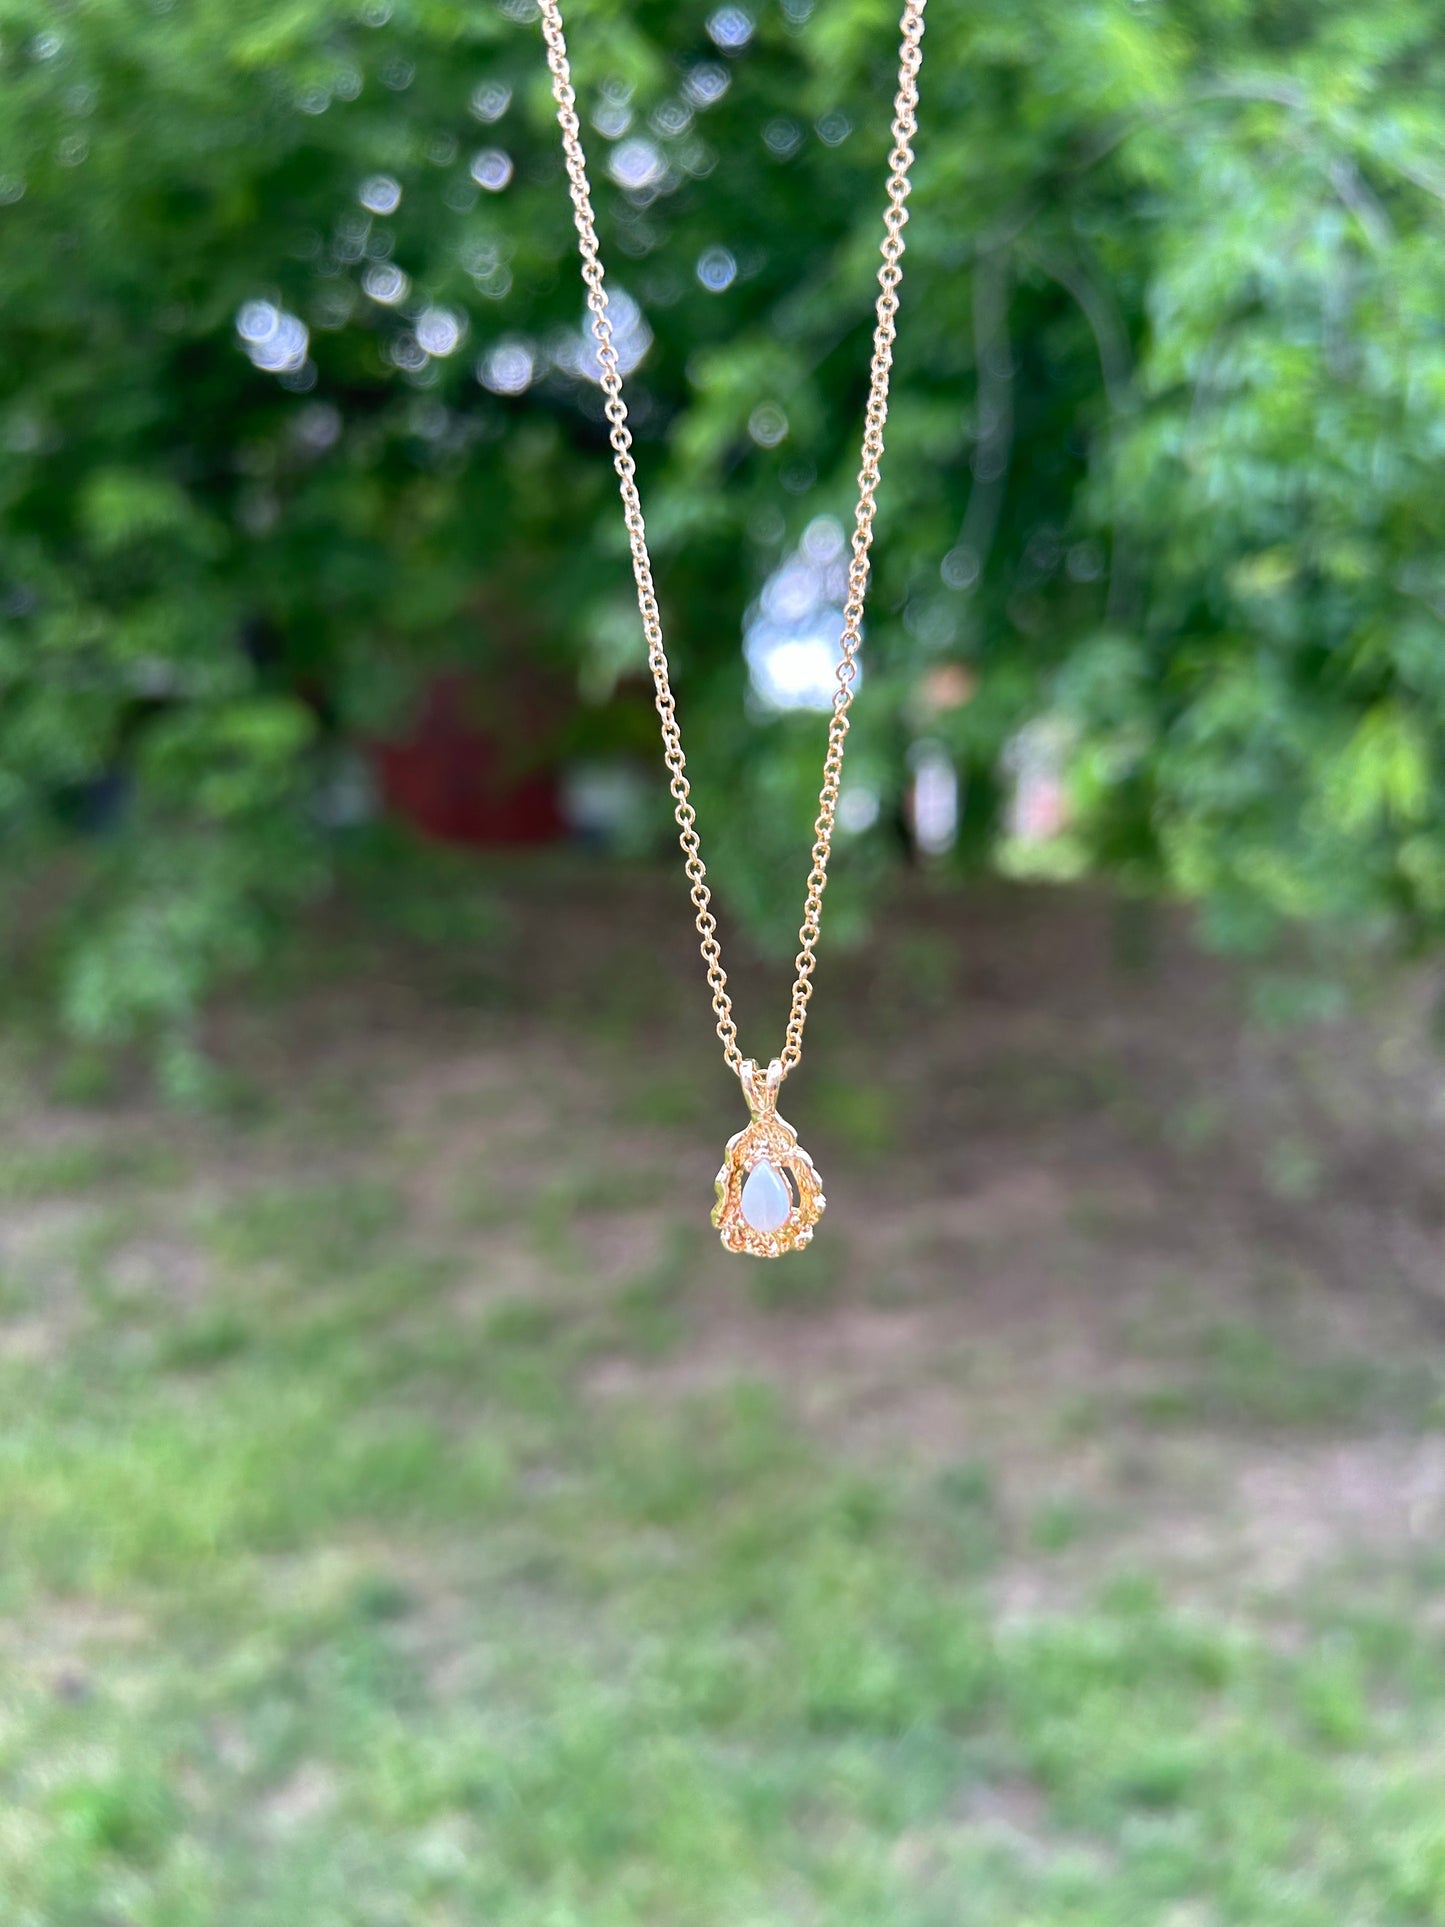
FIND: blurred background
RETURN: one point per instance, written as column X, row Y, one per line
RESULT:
column 407, row 1513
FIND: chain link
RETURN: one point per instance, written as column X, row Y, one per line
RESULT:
column 890, row 273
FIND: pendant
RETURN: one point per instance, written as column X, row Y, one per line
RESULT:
column 769, row 1197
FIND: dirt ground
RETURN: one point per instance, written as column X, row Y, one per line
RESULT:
column 1069, row 1168
column 408, row 1512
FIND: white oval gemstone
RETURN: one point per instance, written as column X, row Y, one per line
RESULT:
column 766, row 1202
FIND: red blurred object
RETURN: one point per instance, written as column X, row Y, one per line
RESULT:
column 476, row 769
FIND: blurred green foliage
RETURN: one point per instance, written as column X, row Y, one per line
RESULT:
column 1170, row 400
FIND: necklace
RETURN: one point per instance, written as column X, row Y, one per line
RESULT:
column 769, row 1195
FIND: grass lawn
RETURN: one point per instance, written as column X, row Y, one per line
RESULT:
column 409, row 1518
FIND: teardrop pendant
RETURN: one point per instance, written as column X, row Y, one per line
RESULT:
column 769, row 1196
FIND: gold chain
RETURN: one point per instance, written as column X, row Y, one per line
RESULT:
column 890, row 273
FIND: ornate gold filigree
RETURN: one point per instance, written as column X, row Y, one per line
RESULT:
column 769, row 1139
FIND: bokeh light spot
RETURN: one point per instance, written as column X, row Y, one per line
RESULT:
column 507, row 368
column 492, row 169
column 381, row 193
column 959, row 568
column 782, row 137
column 768, row 425
column 730, row 28
column 706, row 83
column 385, row 282
column 716, row 269
column 439, row 330
column 858, row 809
column 637, row 163
column 490, row 101
column 276, row 342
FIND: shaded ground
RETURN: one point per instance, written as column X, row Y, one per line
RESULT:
column 410, row 1515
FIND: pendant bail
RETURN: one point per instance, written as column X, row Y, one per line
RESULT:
column 761, row 1088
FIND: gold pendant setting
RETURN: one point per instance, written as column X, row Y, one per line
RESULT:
column 769, row 1196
